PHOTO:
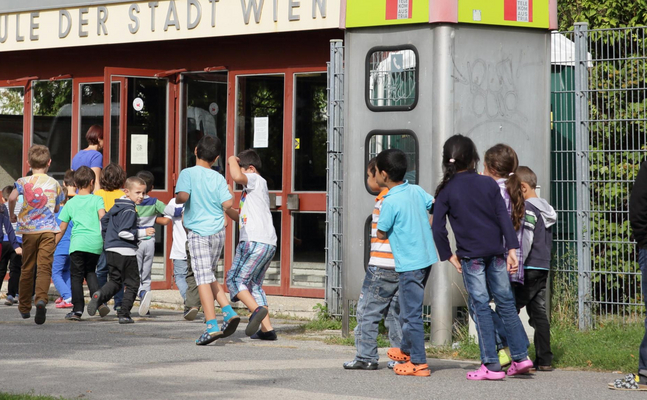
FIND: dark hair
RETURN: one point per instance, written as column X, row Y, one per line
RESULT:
column 83, row 177
column 526, row 175
column 459, row 154
column 208, row 148
column 94, row 134
column 393, row 162
column 38, row 156
column 148, row 178
column 250, row 157
column 68, row 179
column 372, row 164
column 6, row 192
column 502, row 162
column 134, row 180
column 112, row 177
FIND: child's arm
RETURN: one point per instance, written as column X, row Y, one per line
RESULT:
column 11, row 234
column 13, row 197
column 101, row 213
column 236, row 174
column 162, row 221
column 386, row 220
column 59, row 235
column 233, row 214
column 226, row 206
column 181, row 197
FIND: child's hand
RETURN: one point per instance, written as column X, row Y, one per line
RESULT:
column 19, row 251
column 150, row 231
column 14, row 219
column 456, row 263
column 513, row 262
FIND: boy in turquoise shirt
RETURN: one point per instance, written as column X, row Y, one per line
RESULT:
column 207, row 199
column 85, row 210
column 404, row 220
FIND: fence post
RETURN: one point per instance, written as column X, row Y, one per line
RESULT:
column 582, row 174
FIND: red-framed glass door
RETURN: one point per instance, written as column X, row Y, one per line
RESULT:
column 139, row 115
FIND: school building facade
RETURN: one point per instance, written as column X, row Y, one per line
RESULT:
column 158, row 75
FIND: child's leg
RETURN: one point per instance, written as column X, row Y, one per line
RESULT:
column 412, row 290
column 102, row 270
column 45, row 258
column 179, row 272
column 26, row 285
column 114, row 262
column 90, row 270
column 392, row 320
column 535, row 283
column 58, row 267
column 131, row 280
column 77, row 274
column 203, row 251
column 475, row 282
column 145, row 255
column 4, row 261
column 15, row 267
column 192, row 299
column 499, row 283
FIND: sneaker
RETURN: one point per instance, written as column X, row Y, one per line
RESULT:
column 9, row 300
column 269, row 335
column 504, row 357
column 94, row 303
column 255, row 320
column 144, row 303
column 103, row 310
column 141, row 294
column 25, row 315
column 64, row 304
column 59, row 300
column 126, row 320
column 117, row 308
column 229, row 327
column 391, row 364
column 41, row 313
column 15, row 299
column 190, row 314
column 73, row 316
column 357, row 364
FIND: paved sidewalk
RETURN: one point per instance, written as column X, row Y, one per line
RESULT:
column 156, row 358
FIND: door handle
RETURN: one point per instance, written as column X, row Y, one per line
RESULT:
column 293, row 202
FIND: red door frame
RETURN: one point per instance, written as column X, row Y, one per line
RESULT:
column 164, row 195
column 308, row 201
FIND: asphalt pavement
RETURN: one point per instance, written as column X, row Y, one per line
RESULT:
column 156, row 358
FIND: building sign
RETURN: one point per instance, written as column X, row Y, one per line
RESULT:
column 161, row 20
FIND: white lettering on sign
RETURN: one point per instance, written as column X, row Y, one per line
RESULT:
column 403, row 9
column 523, row 11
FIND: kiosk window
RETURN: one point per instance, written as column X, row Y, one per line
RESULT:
column 392, row 78
column 404, row 140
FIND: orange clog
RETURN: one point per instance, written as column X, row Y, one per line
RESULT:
column 411, row 369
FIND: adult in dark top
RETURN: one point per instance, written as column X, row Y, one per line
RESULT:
column 91, row 156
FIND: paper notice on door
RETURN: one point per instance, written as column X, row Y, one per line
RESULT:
column 139, row 149
column 261, row 132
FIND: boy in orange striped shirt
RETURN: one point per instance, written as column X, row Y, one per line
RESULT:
column 379, row 296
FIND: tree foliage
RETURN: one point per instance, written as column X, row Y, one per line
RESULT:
column 602, row 13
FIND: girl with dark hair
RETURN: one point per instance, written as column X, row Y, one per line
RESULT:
column 480, row 223
column 91, row 156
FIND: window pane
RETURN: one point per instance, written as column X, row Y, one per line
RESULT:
column 91, row 109
column 310, row 132
column 12, row 102
column 308, row 255
column 405, row 142
column 260, row 104
column 392, row 79
column 52, row 126
column 115, row 96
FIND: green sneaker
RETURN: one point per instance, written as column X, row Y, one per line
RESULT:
column 504, row 357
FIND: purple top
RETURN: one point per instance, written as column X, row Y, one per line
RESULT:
column 519, row 275
column 88, row 158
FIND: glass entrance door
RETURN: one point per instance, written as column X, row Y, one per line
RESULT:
column 145, row 139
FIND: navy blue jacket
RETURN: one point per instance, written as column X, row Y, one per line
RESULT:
column 6, row 228
column 119, row 225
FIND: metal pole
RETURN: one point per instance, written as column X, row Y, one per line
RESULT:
column 582, row 174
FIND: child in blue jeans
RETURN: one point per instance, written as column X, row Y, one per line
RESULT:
column 61, row 264
column 379, row 296
column 480, row 221
column 405, row 222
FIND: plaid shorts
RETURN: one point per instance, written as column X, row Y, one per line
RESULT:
column 205, row 252
column 248, row 269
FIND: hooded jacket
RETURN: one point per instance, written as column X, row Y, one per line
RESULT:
column 119, row 228
column 638, row 207
column 537, row 233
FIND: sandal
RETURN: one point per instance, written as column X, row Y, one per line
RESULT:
column 396, row 354
column 484, row 374
column 629, row 383
column 520, row 367
column 412, row 369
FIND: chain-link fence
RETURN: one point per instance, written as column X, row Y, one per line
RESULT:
column 599, row 110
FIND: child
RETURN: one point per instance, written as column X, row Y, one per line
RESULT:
column 379, row 296
column 120, row 232
column 207, row 198
column 256, row 246
column 147, row 212
column 61, row 265
column 85, row 210
column 480, row 222
column 537, row 247
column 405, row 222
column 11, row 258
column 10, row 245
column 42, row 197
column 112, row 180
column 173, row 211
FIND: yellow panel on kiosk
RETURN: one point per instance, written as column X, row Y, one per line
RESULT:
column 363, row 13
column 522, row 13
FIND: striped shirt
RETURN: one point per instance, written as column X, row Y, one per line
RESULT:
column 381, row 255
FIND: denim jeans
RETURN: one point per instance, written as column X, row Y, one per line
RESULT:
column 412, row 294
column 61, row 275
column 642, row 357
column 378, row 299
column 179, row 272
column 102, row 278
column 479, row 274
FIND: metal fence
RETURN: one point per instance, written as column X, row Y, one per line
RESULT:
column 599, row 110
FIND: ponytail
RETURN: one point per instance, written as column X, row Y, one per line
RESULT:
column 459, row 154
column 449, row 170
column 513, row 186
